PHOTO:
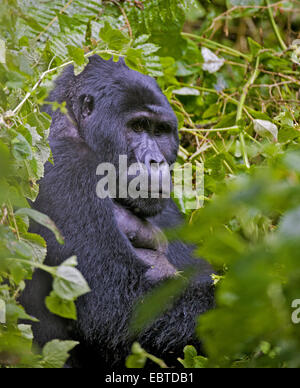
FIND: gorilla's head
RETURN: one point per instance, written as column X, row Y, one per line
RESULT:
column 117, row 111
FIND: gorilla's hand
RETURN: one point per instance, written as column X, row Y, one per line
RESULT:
column 160, row 267
column 148, row 241
column 140, row 232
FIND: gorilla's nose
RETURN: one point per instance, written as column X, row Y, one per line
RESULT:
column 154, row 161
column 159, row 178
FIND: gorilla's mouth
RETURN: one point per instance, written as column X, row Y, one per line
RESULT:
column 152, row 194
column 145, row 207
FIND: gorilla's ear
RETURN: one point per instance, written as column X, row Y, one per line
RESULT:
column 86, row 105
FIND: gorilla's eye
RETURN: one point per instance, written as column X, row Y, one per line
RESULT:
column 140, row 125
column 87, row 105
column 162, row 129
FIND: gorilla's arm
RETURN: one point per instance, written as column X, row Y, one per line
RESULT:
column 140, row 232
column 152, row 247
column 150, row 244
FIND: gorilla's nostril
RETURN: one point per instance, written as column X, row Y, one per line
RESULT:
column 156, row 163
column 153, row 157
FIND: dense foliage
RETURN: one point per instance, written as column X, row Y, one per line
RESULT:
column 231, row 71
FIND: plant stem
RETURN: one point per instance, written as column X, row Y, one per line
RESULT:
column 224, row 95
column 214, row 45
column 51, row 271
column 157, row 361
column 12, row 215
column 209, row 129
column 239, row 114
column 275, row 27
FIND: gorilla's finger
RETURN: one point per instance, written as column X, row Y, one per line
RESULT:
column 141, row 233
column 160, row 267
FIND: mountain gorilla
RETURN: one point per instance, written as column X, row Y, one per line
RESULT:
column 122, row 253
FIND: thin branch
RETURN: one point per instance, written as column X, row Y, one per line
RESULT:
column 272, row 85
column 210, row 129
column 4, row 215
column 275, row 27
column 216, row 46
column 239, row 114
column 125, row 17
column 281, row 75
column 226, row 14
column 53, row 20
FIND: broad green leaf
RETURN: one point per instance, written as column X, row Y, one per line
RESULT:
column 138, row 357
column 254, row 47
column 43, row 220
column 77, row 54
column 63, row 308
column 192, row 360
column 71, row 262
column 21, row 149
column 26, row 331
column 69, row 284
column 56, row 353
column 15, row 312
column 115, row 39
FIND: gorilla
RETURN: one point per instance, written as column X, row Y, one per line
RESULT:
column 120, row 245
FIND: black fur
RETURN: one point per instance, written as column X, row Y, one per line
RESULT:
column 106, row 258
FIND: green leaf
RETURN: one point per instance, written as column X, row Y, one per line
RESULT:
column 63, row 308
column 56, row 353
column 69, row 284
column 141, row 40
column 163, row 22
column 71, row 262
column 77, row 55
column 212, row 111
column 138, row 357
column 15, row 312
column 26, row 331
column 37, row 246
column 254, row 47
column 192, row 360
column 148, row 48
column 115, row 39
column 21, row 149
column 43, row 220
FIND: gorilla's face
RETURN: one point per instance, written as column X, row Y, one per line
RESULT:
column 151, row 136
column 127, row 114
